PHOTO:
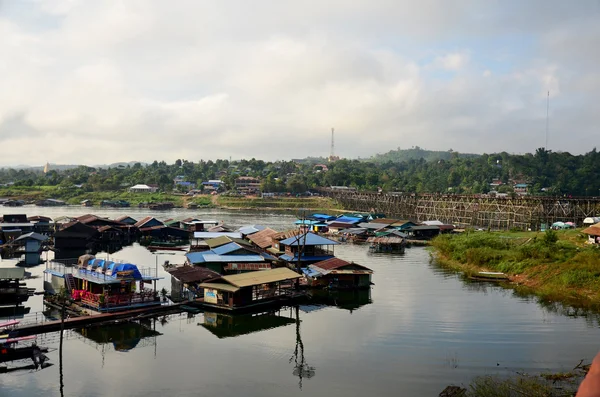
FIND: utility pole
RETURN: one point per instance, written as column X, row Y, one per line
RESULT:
column 547, row 118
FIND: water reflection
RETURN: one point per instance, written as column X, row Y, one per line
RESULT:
column 121, row 337
column 350, row 300
column 230, row 325
column 301, row 368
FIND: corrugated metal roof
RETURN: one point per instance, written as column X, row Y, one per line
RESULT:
column 222, row 240
column 340, row 225
column 336, row 264
column 311, row 239
column 220, row 286
column 227, row 248
column 207, row 235
column 32, row 236
column 373, row 225
column 348, row 219
column 252, row 229
column 192, row 274
column 261, row 277
column 263, row 239
column 287, row 234
column 195, row 257
column 386, row 240
column 209, row 256
column 12, row 273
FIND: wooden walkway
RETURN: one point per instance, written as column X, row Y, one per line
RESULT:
column 80, row 322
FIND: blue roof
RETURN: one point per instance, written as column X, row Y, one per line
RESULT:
column 521, row 185
column 227, row 248
column 212, row 257
column 348, row 219
column 311, row 239
column 322, row 217
column 250, row 229
column 195, row 257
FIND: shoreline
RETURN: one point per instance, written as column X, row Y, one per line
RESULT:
column 567, row 274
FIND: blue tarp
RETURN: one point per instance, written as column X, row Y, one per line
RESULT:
column 124, row 267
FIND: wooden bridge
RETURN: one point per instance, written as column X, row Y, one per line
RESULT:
column 501, row 213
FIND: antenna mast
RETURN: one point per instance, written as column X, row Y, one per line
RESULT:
column 547, row 118
column 332, row 145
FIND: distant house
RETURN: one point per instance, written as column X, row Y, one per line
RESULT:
column 139, row 188
column 247, row 184
column 496, row 183
column 521, row 188
column 148, row 221
column 50, row 203
column 126, row 219
column 180, row 182
column 213, row 184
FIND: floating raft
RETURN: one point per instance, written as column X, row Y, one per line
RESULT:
column 489, row 276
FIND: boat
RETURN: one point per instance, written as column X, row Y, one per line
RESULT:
column 489, row 276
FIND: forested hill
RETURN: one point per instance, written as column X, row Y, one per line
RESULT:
column 417, row 153
column 543, row 172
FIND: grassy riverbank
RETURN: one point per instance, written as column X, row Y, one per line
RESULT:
column 557, row 266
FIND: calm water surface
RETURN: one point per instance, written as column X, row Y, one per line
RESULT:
column 421, row 330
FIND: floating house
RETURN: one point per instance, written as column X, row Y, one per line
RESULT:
column 30, row 244
column 74, row 235
column 339, row 227
column 308, row 248
column 250, row 230
column 423, row 232
column 50, row 203
column 185, row 281
column 104, row 285
column 247, row 290
column 231, row 258
column 337, row 273
column 391, row 244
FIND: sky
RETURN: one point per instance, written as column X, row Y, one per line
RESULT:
column 96, row 82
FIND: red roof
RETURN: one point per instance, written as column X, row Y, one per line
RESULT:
column 330, row 264
column 263, row 238
column 333, row 264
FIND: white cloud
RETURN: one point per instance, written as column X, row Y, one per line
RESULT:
column 270, row 79
column 454, row 61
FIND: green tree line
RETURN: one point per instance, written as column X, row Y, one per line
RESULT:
column 545, row 172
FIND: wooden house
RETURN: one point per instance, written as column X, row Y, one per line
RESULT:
column 74, row 235
column 247, row 290
column 337, row 273
column 307, row 248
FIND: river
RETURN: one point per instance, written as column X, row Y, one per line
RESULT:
column 422, row 329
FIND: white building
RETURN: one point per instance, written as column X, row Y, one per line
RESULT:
column 139, row 188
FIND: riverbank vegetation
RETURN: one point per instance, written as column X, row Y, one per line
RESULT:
column 544, row 172
column 555, row 265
